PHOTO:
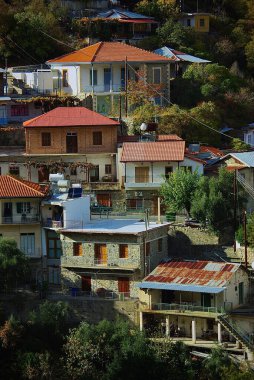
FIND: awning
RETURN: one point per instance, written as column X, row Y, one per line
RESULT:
column 179, row 287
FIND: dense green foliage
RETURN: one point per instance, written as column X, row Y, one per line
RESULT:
column 32, row 350
column 13, row 264
column 249, row 231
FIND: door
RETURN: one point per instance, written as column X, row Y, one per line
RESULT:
column 104, row 200
column 71, row 143
column 124, row 285
column 94, row 174
column 168, row 171
column 101, row 255
column 206, row 299
column 107, row 77
column 7, row 212
column 43, row 174
column 241, row 293
column 142, row 174
column 86, row 283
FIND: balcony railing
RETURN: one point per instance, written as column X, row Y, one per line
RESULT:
column 101, row 293
column 105, row 88
column 56, row 224
column 21, row 219
column 189, row 307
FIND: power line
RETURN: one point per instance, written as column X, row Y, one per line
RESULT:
column 138, row 74
column 24, row 51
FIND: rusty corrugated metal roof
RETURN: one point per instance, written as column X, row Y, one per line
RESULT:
column 195, row 273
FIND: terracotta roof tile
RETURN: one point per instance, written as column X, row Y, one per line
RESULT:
column 70, row 116
column 153, row 151
column 110, row 52
column 136, row 138
column 11, row 187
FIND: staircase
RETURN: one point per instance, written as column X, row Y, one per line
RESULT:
column 248, row 188
column 238, row 333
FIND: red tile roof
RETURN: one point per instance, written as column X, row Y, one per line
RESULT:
column 198, row 273
column 70, row 116
column 153, row 151
column 110, row 52
column 11, row 187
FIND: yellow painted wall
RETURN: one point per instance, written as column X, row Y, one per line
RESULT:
column 206, row 27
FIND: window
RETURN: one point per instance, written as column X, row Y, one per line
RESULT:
column 27, row 244
column 148, row 246
column 188, row 22
column 249, row 139
column 156, row 75
column 97, row 138
column 123, row 251
column 77, row 249
column 65, row 78
column 46, row 139
column 168, row 171
column 19, row 110
column 202, row 22
column 157, row 100
column 93, row 77
column 73, row 171
column 107, row 169
column 23, row 207
column 14, row 170
column 94, row 174
column 54, row 246
column 124, row 285
column 160, row 242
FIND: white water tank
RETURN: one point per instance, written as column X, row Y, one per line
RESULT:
column 55, row 177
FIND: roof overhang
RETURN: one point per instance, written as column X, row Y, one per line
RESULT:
column 180, row 287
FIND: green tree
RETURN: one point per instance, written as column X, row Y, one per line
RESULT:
column 13, row 263
column 212, row 203
column 239, row 145
column 215, row 363
column 178, row 190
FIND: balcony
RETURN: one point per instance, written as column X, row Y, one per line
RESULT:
column 104, row 88
column 21, row 219
column 143, row 182
column 186, row 308
column 101, row 185
column 90, row 262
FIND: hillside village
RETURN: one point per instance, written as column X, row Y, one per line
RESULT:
column 127, row 181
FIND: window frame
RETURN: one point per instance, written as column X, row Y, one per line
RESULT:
column 95, row 77
column 97, row 138
column 45, row 139
column 65, row 78
column 23, row 207
column 201, row 22
column 123, row 251
column 154, row 70
column 108, row 169
column 26, row 249
column 77, row 249
column 15, row 168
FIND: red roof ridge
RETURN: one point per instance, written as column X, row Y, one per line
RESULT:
column 23, row 182
column 97, row 50
column 138, row 48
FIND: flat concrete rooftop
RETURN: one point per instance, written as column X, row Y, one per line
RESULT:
column 116, row 226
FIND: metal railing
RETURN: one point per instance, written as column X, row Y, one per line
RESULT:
column 238, row 332
column 101, row 294
column 245, row 184
column 21, row 219
column 55, row 224
column 144, row 179
column 186, row 307
column 104, row 88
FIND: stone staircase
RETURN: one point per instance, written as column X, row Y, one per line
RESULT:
column 236, row 331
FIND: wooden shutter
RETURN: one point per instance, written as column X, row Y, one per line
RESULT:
column 141, row 174
column 123, row 285
column 123, row 254
column 77, row 249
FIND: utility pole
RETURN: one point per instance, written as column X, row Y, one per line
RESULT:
column 245, row 239
column 126, row 87
column 6, row 77
column 235, row 204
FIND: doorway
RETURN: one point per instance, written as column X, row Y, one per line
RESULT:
column 206, row 300
column 241, row 293
column 107, row 79
column 71, row 143
column 142, row 174
column 86, row 283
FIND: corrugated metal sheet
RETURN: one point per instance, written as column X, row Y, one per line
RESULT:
column 247, row 158
column 171, row 53
column 182, row 288
column 191, row 275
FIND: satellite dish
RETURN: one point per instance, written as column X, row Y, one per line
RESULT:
column 143, row 127
column 252, row 265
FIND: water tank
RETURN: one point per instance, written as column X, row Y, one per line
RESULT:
column 55, row 177
column 76, row 185
column 63, row 183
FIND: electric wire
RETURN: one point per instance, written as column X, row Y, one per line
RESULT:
column 144, row 79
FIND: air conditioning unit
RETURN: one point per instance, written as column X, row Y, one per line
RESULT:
column 138, row 194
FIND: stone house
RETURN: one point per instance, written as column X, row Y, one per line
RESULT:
column 111, row 255
column 101, row 71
